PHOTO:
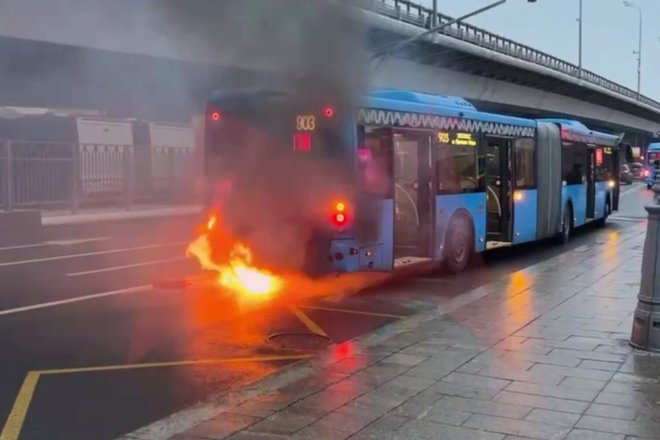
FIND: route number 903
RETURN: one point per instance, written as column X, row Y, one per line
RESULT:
column 305, row 122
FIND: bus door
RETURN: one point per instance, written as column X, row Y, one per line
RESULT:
column 413, row 194
column 591, row 183
column 498, row 188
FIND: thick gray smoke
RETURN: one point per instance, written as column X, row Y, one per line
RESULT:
column 314, row 48
column 309, row 46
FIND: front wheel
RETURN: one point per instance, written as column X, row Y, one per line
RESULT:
column 459, row 244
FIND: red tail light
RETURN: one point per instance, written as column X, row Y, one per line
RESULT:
column 329, row 112
column 340, row 216
column 215, row 116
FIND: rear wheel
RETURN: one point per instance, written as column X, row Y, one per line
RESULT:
column 459, row 244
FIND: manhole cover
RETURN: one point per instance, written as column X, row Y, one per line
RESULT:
column 298, row 341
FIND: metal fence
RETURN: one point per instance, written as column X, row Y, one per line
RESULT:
column 66, row 175
column 421, row 16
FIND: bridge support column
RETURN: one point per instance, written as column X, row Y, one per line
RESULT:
column 646, row 321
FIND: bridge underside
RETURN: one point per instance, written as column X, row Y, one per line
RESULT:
column 40, row 74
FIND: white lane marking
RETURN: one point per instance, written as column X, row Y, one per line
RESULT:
column 53, row 243
column 89, row 254
column 632, row 190
column 125, row 266
column 75, row 241
column 136, row 289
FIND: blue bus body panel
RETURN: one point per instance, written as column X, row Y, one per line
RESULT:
column 577, row 194
column 448, row 205
column 524, row 216
column 373, row 256
column 602, row 190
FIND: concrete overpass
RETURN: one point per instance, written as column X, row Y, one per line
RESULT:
column 156, row 60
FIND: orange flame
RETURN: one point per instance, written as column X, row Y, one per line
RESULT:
column 237, row 273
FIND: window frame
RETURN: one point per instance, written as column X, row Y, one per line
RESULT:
column 515, row 170
column 435, row 145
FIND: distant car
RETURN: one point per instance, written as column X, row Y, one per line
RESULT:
column 637, row 170
column 625, row 174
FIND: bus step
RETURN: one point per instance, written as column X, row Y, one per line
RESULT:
column 497, row 244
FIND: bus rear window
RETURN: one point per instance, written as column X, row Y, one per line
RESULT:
column 276, row 127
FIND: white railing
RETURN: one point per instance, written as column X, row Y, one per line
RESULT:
column 418, row 15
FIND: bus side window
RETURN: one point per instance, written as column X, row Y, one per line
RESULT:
column 574, row 163
column 456, row 166
column 375, row 161
column 525, row 160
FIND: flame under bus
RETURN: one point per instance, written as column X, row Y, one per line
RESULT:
column 418, row 178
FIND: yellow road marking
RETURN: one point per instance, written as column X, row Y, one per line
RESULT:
column 311, row 325
column 173, row 364
column 354, row 312
column 18, row 412
column 16, row 418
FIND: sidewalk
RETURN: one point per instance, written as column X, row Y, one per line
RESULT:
column 94, row 215
column 541, row 354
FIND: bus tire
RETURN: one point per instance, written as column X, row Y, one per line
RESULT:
column 459, row 244
column 602, row 221
column 649, row 185
column 566, row 226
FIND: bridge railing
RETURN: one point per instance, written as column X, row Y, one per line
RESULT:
column 59, row 175
column 421, row 16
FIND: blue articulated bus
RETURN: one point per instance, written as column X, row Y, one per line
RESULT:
column 432, row 178
column 652, row 154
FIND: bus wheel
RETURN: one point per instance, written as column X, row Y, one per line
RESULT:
column 649, row 185
column 459, row 244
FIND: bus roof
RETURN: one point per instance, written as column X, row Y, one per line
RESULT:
column 422, row 98
column 401, row 102
column 572, row 130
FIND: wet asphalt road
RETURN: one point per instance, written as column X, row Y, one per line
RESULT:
column 88, row 350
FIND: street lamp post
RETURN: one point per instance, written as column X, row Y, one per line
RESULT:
column 580, row 43
column 630, row 4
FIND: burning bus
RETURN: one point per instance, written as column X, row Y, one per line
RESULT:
column 398, row 178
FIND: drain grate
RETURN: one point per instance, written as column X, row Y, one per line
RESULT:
column 298, row 341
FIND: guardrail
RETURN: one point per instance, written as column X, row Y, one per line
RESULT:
column 421, row 16
column 51, row 175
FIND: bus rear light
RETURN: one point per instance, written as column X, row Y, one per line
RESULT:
column 646, row 173
column 340, row 215
column 215, row 116
column 329, row 112
column 354, row 251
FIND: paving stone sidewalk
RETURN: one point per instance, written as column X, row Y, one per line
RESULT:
column 541, row 354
